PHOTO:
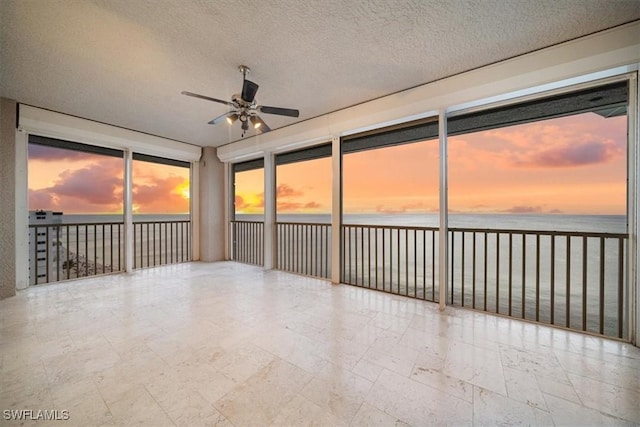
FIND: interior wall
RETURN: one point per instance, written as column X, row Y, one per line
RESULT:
column 8, row 197
column 212, row 206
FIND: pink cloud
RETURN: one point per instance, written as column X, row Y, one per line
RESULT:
column 578, row 154
column 91, row 189
column 160, row 197
column 285, row 190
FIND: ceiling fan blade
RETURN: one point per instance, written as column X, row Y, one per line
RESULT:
column 279, row 111
column 220, row 118
column 263, row 126
column 249, row 90
column 207, row 98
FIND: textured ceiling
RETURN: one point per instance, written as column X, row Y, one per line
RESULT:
column 125, row 62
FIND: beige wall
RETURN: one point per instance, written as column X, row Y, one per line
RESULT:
column 7, row 197
column 212, row 206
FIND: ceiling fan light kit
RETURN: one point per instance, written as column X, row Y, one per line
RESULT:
column 244, row 106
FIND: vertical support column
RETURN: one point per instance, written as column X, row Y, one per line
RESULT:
column 443, row 260
column 9, row 177
column 128, row 211
column 269, row 211
column 194, row 199
column 633, row 192
column 229, row 203
column 22, row 209
column 336, row 209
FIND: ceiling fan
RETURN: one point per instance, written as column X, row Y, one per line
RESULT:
column 244, row 107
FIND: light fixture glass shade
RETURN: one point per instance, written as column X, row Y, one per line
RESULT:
column 232, row 118
column 256, row 122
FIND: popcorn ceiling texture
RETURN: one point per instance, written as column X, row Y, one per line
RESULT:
column 125, row 62
column 7, row 198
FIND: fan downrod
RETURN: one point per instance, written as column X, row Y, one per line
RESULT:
column 244, row 70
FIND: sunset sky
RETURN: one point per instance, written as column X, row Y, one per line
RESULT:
column 570, row 165
column 81, row 183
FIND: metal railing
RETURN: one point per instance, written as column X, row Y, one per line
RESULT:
column 304, row 248
column 397, row 260
column 574, row 280
column 247, row 242
column 161, row 242
column 68, row 251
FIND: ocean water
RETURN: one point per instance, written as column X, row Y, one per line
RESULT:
column 556, row 222
column 537, row 267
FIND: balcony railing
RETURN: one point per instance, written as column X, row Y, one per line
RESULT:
column 247, row 242
column 304, row 248
column 161, row 242
column 398, row 260
column 574, row 280
column 68, row 251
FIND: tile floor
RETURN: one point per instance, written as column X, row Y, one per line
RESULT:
column 227, row 344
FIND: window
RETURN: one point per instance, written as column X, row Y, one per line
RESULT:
column 390, row 205
column 248, row 180
column 303, row 185
column 303, row 201
column 73, row 185
column 161, row 211
column 537, row 194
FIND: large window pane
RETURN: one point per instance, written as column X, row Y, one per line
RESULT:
column 75, row 210
column 538, row 199
column 249, row 195
column 247, row 228
column 390, row 211
column 162, row 229
column 392, row 185
column 303, row 201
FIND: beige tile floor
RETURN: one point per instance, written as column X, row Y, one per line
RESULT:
column 232, row 345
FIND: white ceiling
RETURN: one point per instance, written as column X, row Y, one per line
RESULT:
column 125, row 62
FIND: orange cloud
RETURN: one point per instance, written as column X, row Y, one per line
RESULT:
column 95, row 188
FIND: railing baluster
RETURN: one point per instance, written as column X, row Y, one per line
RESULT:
column 568, row 284
column 424, row 264
column 375, row 251
column 433, row 265
column 553, row 278
column 497, row 272
column 510, row 272
column 384, row 286
column 68, row 258
column 537, row 277
column 86, row 249
column 452, row 238
column 601, row 301
column 398, row 261
column 369, row 229
column 77, row 250
column 524, row 273
column 486, row 270
column 473, row 274
column 584, row 283
column 462, row 269
column 104, row 257
column 620, row 286
column 415, row 263
column 148, row 251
